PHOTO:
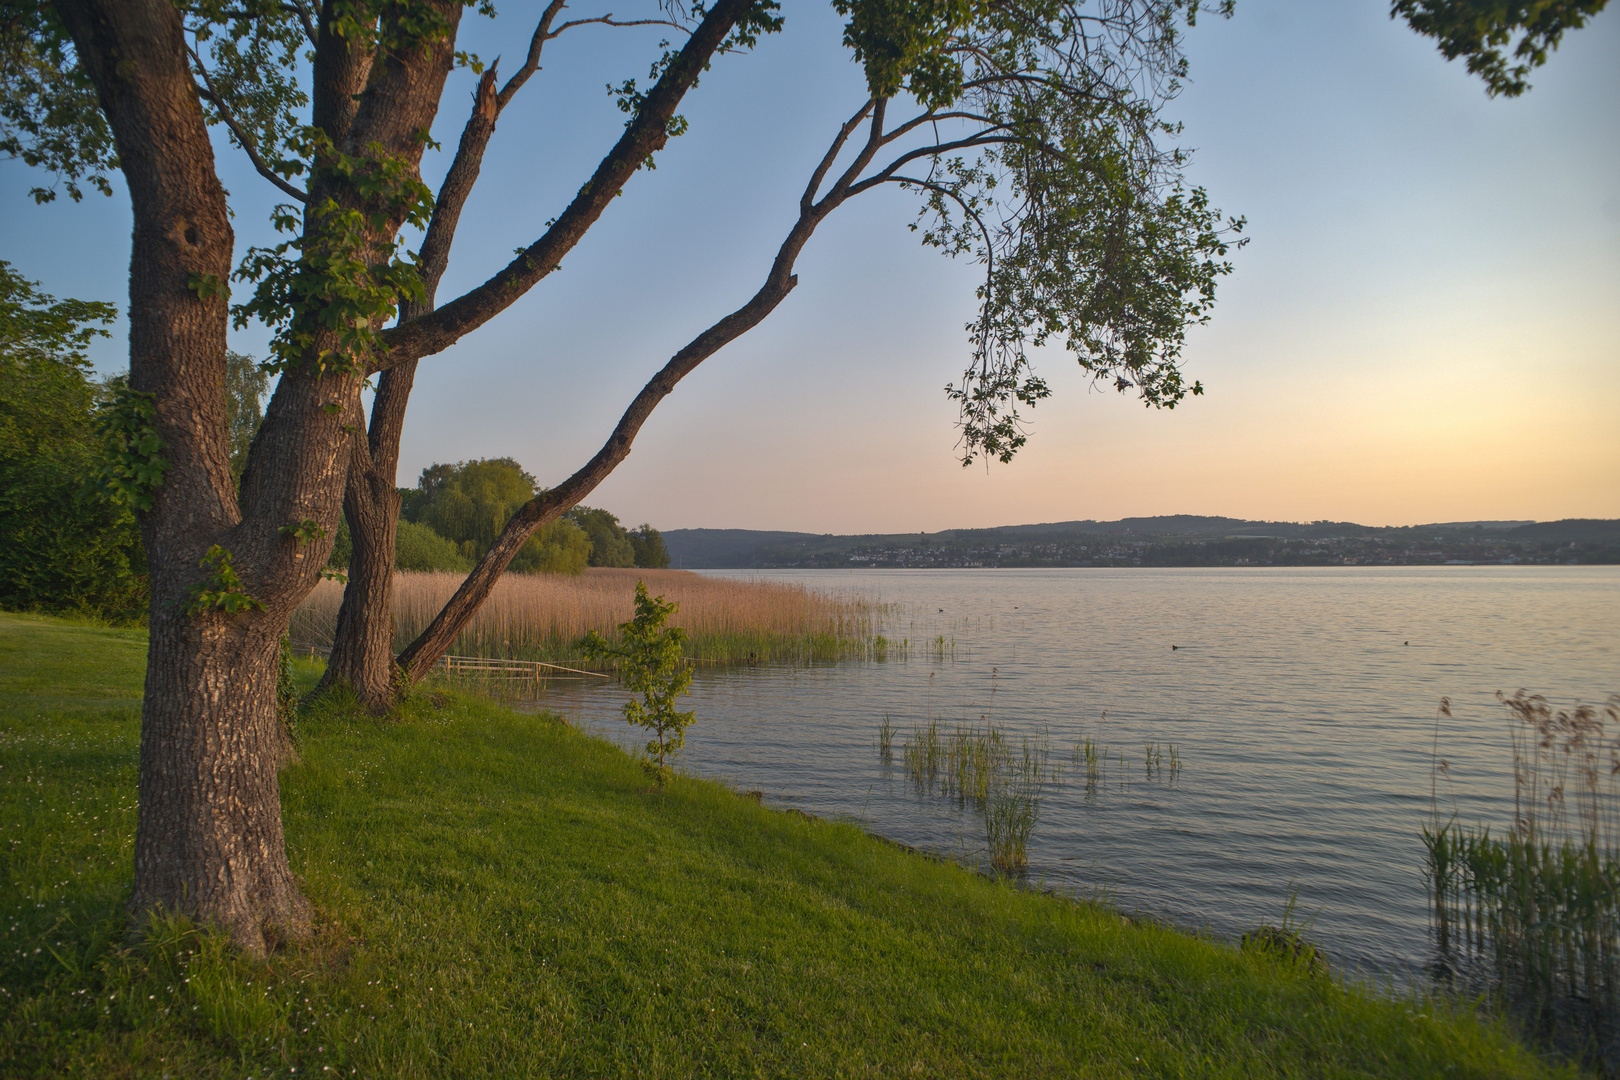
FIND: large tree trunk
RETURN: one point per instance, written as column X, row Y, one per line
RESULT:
column 208, row 843
column 208, row 840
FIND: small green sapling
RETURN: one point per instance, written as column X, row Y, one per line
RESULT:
column 650, row 663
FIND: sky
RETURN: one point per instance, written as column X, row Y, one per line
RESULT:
column 1425, row 325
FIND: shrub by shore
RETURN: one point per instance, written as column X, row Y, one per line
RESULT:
column 501, row 895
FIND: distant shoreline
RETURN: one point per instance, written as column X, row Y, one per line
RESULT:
column 1163, row 542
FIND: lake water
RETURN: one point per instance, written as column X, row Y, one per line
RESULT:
column 1301, row 702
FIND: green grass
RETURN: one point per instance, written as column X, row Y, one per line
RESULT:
column 501, row 895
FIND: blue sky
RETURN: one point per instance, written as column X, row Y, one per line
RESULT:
column 1423, row 328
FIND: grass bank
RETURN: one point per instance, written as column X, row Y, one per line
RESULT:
column 501, row 895
column 543, row 616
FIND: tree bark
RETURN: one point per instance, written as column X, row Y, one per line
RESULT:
column 208, row 843
column 363, row 641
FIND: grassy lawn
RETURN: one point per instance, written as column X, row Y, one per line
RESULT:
column 500, row 895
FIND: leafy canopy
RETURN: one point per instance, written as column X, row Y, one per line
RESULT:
column 610, row 542
column 1479, row 29
column 648, row 546
column 1042, row 163
column 468, row 504
column 50, row 116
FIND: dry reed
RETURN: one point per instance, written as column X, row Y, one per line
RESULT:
column 544, row 616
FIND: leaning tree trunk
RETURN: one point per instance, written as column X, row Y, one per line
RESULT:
column 363, row 641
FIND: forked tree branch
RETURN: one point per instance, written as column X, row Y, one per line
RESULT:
column 646, row 133
column 820, row 174
column 531, row 63
column 888, row 172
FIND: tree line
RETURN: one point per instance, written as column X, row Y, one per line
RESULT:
column 448, row 521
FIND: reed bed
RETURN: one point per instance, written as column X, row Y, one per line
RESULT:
column 1540, row 905
column 979, row 766
column 544, row 616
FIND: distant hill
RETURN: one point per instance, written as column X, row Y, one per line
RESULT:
column 1168, row 540
column 1570, row 530
column 697, row 549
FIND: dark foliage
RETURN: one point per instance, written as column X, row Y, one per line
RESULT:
column 651, row 554
column 468, row 504
column 63, row 547
column 1480, row 29
column 610, row 542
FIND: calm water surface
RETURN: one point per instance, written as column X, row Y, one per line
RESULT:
column 1302, row 703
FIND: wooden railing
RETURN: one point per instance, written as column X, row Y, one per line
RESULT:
column 512, row 669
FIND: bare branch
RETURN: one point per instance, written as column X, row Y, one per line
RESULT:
column 833, row 151
column 531, row 63
column 243, row 137
column 933, row 118
column 609, row 20
column 544, row 33
column 434, row 253
column 874, row 142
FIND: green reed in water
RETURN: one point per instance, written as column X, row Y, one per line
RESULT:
column 1159, row 760
column 1012, row 805
column 1541, row 903
column 979, row 766
column 886, row 738
column 1093, row 756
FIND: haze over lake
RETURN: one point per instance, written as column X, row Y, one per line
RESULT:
column 1302, row 703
